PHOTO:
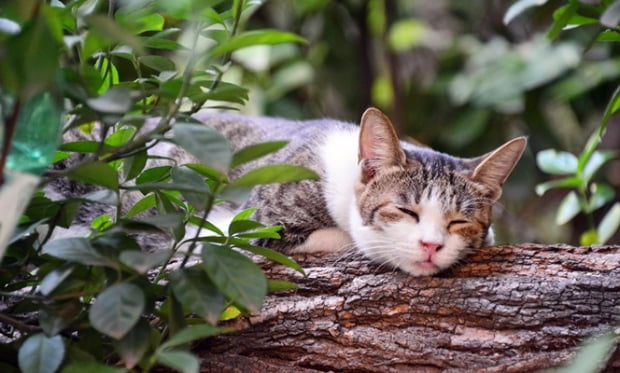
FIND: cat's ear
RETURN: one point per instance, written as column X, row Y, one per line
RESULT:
column 493, row 169
column 378, row 144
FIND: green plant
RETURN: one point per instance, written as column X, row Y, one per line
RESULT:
column 579, row 170
column 74, row 304
column 588, row 195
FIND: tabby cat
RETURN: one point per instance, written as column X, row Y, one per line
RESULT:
column 401, row 205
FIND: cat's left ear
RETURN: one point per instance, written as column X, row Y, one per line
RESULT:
column 494, row 168
column 379, row 147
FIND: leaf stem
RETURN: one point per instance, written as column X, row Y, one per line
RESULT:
column 9, row 130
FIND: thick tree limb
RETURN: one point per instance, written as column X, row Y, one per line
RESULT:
column 507, row 309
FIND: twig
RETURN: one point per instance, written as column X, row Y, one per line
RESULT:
column 18, row 324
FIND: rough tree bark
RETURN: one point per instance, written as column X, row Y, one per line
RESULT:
column 506, row 309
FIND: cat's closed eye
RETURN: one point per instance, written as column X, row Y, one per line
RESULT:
column 409, row 212
column 457, row 223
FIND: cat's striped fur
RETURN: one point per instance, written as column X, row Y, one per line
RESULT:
column 410, row 207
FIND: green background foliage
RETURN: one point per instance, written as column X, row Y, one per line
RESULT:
column 462, row 77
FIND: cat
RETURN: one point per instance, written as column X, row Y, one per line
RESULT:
column 401, row 205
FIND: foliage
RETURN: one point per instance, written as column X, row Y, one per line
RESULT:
column 588, row 195
column 579, row 170
column 106, row 299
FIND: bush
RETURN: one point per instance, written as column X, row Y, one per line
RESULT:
column 80, row 303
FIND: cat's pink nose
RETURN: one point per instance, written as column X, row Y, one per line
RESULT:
column 430, row 247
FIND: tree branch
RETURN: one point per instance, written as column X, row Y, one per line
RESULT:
column 507, row 309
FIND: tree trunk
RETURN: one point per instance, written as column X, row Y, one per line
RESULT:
column 506, row 309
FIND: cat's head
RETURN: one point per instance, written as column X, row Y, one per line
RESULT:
column 421, row 210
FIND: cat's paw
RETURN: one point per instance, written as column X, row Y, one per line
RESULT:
column 325, row 240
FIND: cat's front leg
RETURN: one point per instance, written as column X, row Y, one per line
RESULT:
column 331, row 239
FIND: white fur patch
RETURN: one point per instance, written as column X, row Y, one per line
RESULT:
column 342, row 172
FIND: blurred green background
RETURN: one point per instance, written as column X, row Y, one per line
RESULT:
column 452, row 75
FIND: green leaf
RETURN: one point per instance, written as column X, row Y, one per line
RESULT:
column 82, row 146
column 406, row 34
column 589, row 237
column 133, row 166
column 98, row 173
column 55, row 317
column 143, row 262
column 197, row 293
column 192, row 333
column 257, row 37
column 591, row 357
column 223, row 92
column 569, row 208
column 238, row 226
column 205, row 143
column 117, row 309
column 612, row 107
column 107, row 29
column 596, row 161
column 277, row 173
column 608, row 36
column 154, row 174
column 157, row 63
column 40, row 354
column 208, row 172
column 168, row 220
column 30, row 58
column 245, row 214
column 120, row 137
column 611, row 16
column 60, row 156
column 174, row 313
column 91, row 367
column 155, row 42
column 182, row 361
column 142, row 205
column 230, row 313
column 557, row 163
column 562, row 16
column 252, row 152
column 103, row 196
column 101, row 223
column 77, row 249
column 519, row 7
column 54, row 278
column 600, row 194
column 185, row 176
column 132, row 347
column 236, row 275
column 205, row 224
column 115, row 100
column 266, row 232
column 610, row 224
column 269, row 254
column 280, row 285
column 139, row 21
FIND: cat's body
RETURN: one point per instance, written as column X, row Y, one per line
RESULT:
column 409, row 207
column 405, row 206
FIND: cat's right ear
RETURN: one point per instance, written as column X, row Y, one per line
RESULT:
column 378, row 144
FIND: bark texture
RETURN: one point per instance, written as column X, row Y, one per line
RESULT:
column 506, row 309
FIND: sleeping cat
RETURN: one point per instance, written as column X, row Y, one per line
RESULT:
column 409, row 207
column 405, row 206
